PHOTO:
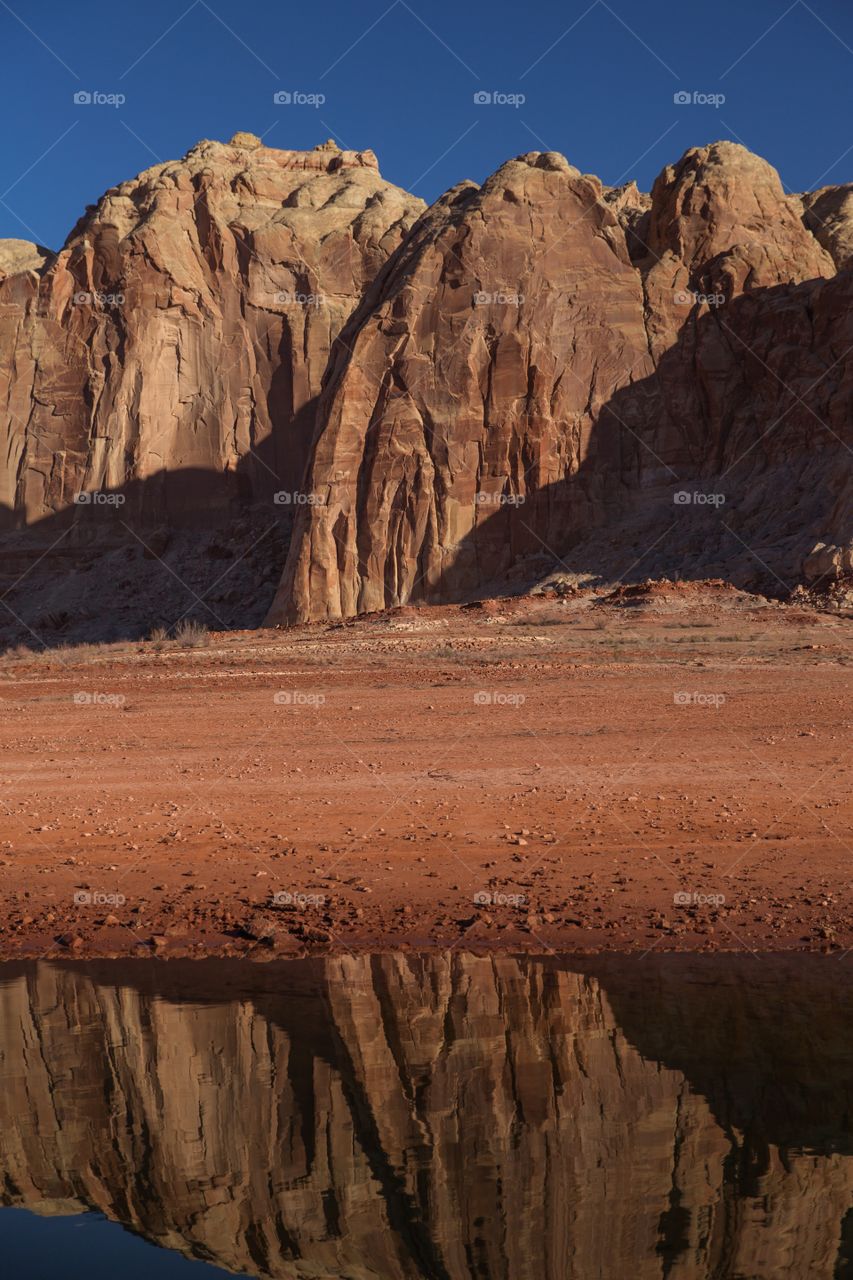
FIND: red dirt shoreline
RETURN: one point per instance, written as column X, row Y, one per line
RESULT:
column 531, row 774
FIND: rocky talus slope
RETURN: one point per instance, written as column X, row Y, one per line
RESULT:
column 546, row 364
column 446, row 1117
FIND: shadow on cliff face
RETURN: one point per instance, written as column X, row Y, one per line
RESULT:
column 445, row 1115
column 759, row 1037
column 712, row 467
column 192, row 542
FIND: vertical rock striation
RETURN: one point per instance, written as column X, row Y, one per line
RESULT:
column 544, row 357
column 446, row 1116
column 178, row 341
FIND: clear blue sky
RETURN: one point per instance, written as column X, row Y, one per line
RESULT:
column 600, row 93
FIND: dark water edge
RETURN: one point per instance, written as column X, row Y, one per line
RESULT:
column 443, row 1115
column 88, row 1244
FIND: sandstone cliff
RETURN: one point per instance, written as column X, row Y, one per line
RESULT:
column 449, row 1116
column 185, row 328
column 544, row 357
column 829, row 216
column 20, row 256
column 540, row 372
column 158, row 379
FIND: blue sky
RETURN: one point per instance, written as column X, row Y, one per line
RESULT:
column 598, row 79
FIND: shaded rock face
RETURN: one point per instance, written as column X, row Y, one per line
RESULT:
column 185, row 328
column 450, row 1116
column 544, row 357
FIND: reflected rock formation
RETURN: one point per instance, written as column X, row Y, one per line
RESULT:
column 444, row 1116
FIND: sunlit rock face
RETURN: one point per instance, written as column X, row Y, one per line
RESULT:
column 449, row 402
column 546, row 360
column 448, row 1117
column 828, row 213
column 178, row 341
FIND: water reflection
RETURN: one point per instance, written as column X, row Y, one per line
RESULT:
column 444, row 1116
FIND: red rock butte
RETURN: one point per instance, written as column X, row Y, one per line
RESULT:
column 531, row 371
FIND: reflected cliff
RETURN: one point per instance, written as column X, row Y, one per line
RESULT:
column 443, row 1116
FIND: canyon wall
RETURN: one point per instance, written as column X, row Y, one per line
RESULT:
column 449, row 1116
column 546, row 359
column 283, row 351
column 178, row 341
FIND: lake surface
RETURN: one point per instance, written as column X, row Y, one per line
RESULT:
column 444, row 1116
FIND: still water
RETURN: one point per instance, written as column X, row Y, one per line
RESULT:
column 444, row 1116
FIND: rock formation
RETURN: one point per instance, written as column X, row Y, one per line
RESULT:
column 544, row 357
column 450, row 1116
column 540, row 371
column 18, row 256
column 829, row 216
column 185, row 328
column 167, row 361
